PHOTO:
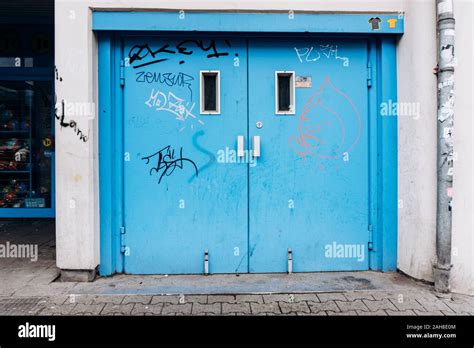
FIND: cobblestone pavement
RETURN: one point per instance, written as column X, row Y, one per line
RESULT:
column 379, row 303
column 29, row 288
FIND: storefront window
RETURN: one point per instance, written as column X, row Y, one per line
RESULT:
column 26, row 144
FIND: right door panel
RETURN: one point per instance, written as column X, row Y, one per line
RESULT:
column 309, row 191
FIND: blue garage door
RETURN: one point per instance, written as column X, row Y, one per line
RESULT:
column 246, row 151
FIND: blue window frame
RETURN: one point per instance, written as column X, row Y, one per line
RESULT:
column 27, row 120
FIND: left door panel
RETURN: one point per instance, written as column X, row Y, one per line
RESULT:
column 183, row 191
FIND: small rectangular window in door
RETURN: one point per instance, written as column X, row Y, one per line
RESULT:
column 285, row 92
column 210, row 92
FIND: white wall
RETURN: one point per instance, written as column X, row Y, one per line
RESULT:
column 417, row 139
column 463, row 213
column 78, row 230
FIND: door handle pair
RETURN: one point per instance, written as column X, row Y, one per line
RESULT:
column 255, row 146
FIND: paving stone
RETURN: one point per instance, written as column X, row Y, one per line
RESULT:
column 58, row 300
column 380, row 304
column 331, row 296
column 455, row 314
column 258, row 308
column 349, row 313
column 433, row 305
column 458, row 298
column 80, row 299
column 303, row 314
column 306, row 298
column 264, row 314
column 202, row 299
column 431, row 313
column 375, row 313
column 459, row 308
column 356, row 305
column 358, row 295
column 221, row 298
column 177, row 309
column 295, row 307
column 54, row 309
column 242, row 307
column 278, row 298
column 324, row 306
column 396, row 295
column 249, row 298
column 115, row 299
column 148, row 309
column 117, row 309
column 290, row 298
column 202, row 309
column 397, row 313
column 87, row 309
column 143, row 299
column 174, row 299
column 408, row 303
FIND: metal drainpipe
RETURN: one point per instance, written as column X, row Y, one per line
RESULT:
column 446, row 62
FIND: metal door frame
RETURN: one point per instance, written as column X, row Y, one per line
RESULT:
column 381, row 74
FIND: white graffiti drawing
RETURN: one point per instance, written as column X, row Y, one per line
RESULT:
column 181, row 109
column 313, row 54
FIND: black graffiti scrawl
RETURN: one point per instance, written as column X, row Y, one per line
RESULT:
column 167, row 161
column 149, row 56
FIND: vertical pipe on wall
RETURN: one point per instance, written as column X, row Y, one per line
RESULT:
column 446, row 62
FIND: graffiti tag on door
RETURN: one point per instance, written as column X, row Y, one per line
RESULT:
column 168, row 102
column 182, row 49
column 313, row 54
column 167, row 161
column 329, row 125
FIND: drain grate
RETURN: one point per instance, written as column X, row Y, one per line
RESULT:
column 22, row 306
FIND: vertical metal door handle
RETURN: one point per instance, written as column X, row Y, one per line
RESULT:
column 240, row 146
column 256, row 146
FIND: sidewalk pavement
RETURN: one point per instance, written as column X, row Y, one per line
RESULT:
column 32, row 288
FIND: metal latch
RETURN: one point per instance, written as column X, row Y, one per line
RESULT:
column 290, row 261
column 206, row 262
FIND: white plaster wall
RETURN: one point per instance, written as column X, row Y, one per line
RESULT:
column 78, row 230
column 463, row 213
column 417, row 139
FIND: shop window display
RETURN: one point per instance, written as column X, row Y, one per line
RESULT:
column 26, row 146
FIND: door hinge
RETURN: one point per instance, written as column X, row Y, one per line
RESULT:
column 371, row 242
column 369, row 74
column 122, row 240
column 122, row 73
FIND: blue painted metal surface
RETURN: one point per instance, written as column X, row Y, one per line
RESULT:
column 305, row 193
column 106, row 160
column 309, row 190
column 183, row 194
column 388, row 185
column 388, row 23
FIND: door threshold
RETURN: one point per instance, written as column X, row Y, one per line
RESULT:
column 270, row 283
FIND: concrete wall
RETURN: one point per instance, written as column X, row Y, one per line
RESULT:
column 77, row 184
